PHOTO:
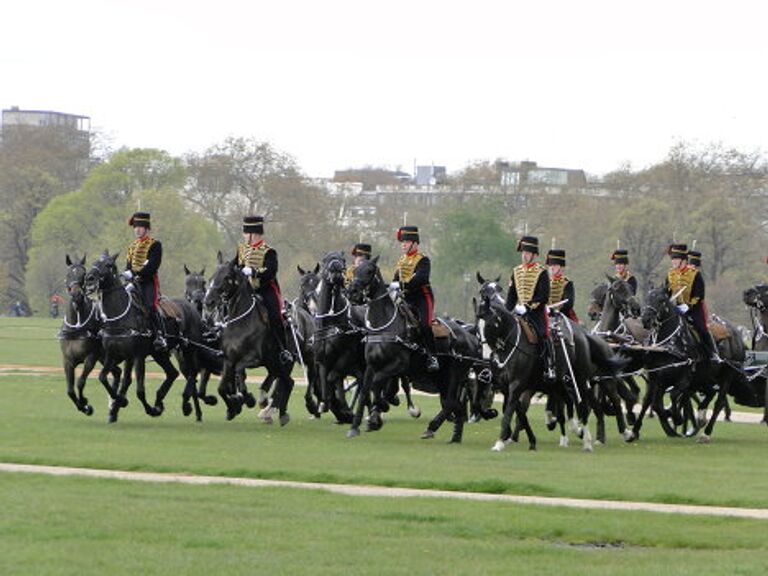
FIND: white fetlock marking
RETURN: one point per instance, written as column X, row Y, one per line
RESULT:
column 628, row 435
column 548, row 417
column 704, row 439
column 587, row 441
column 575, row 426
column 498, row 446
column 563, row 441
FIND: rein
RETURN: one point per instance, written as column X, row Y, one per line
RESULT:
column 79, row 325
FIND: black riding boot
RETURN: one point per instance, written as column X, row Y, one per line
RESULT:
column 429, row 343
column 711, row 347
column 549, row 358
column 285, row 355
column 157, row 327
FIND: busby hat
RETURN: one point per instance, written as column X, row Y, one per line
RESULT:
column 253, row 225
column 694, row 257
column 361, row 249
column 139, row 219
column 556, row 256
column 678, row 251
column 528, row 244
column 408, row 233
column 620, row 256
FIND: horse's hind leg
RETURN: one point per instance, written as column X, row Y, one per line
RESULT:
column 69, row 374
column 202, row 392
column 171, row 373
column 141, row 372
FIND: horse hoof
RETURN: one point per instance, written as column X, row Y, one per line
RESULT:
column 563, row 441
column 599, row 442
column 415, row 412
column 353, row 432
column 588, row 448
column 704, row 439
column 323, row 407
column 159, row 407
column 284, row 419
column 88, row 410
column 532, row 448
column 186, row 408
column 122, row 401
column 474, row 419
column 551, row 425
column 210, row 400
column 628, row 435
column 498, row 446
column 249, row 400
column 455, row 440
column 394, row 400
column 427, row 434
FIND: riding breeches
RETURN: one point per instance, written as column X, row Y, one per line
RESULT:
column 273, row 301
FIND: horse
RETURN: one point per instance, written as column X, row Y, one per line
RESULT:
column 675, row 362
column 756, row 298
column 246, row 339
column 209, row 351
column 390, row 353
column 79, row 338
column 126, row 337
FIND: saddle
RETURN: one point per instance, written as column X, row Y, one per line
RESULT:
column 718, row 329
column 169, row 309
column 636, row 329
column 440, row 329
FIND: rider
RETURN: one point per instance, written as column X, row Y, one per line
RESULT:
column 412, row 275
column 620, row 259
column 360, row 252
column 259, row 262
column 560, row 287
column 143, row 262
column 529, row 294
column 689, row 283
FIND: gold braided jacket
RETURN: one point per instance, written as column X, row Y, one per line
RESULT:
column 138, row 251
column 349, row 275
column 677, row 279
column 625, row 276
column 252, row 256
column 406, row 266
column 526, row 278
column 557, row 288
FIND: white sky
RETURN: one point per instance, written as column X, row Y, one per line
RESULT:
column 343, row 83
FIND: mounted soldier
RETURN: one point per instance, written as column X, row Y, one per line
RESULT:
column 561, row 288
column 360, row 252
column 144, row 257
column 259, row 262
column 412, row 277
column 620, row 259
column 687, row 284
column 528, row 296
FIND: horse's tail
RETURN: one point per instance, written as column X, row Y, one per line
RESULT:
column 603, row 357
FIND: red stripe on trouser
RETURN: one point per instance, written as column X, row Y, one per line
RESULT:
column 278, row 295
column 546, row 322
column 430, row 305
column 705, row 314
column 156, row 282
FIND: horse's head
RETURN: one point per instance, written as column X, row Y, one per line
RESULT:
column 308, row 281
column 224, row 284
column 657, row 308
column 490, row 291
column 194, row 287
column 103, row 274
column 597, row 301
column 620, row 293
column 757, row 296
column 75, row 280
column 332, row 268
column 365, row 282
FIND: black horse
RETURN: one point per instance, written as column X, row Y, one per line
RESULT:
column 126, row 337
column 676, row 364
column 756, row 298
column 79, row 338
column 390, row 353
column 246, row 340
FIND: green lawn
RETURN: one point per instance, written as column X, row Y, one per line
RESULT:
column 88, row 526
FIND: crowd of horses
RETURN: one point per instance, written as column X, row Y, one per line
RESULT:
column 358, row 346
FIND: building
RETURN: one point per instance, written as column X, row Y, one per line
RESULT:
column 79, row 127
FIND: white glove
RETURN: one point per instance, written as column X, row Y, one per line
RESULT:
column 394, row 285
column 682, row 308
column 130, row 287
column 520, row 309
column 248, row 271
column 127, row 274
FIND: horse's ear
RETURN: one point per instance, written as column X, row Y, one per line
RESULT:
column 498, row 279
column 480, row 279
column 202, row 272
column 69, row 260
column 82, row 260
column 219, row 257
column 317, row 268
column 375, row 259
column 474, row 305
column 186, row 270
column 234, row 262
column 301, row 270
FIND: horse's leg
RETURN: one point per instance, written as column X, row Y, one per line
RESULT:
column 88, row 364
column 434, row 425
column 457, row 401
column 284, row 388
column 613, row 395
column 337, row 401
column 363, row 388
column 549, row 413
column 647, row 398
column 69, row 374
column 322, row 377
column 522, row 415
column 378, row 383
column 202, row 391
column 720, row 403
column 163, row 360
column 141, row 373
column 413, row 410
column 510, row 405
column 226, row 387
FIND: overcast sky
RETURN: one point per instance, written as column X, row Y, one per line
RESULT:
column 346, row 83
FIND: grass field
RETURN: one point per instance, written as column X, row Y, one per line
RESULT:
column 64, row 525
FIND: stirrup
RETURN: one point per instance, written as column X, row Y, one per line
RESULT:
column 286, row 357
column 432, row 364
column 159, row 342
